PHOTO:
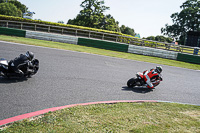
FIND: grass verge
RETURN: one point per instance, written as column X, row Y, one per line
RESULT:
column 78, row 48
column 120, row 117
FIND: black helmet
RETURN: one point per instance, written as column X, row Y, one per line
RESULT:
column 29, row 55
column 158, row 69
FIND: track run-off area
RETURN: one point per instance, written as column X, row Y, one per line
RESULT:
column 67, row 77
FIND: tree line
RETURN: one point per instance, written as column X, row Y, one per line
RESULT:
column 92, row 15
column 188, row 19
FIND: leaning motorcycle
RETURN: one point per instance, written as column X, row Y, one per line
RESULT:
column 139, row 81
column 28, row 69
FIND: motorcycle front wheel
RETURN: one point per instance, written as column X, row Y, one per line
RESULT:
column 131, row 82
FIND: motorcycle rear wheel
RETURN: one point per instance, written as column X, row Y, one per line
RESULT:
column 131, row 82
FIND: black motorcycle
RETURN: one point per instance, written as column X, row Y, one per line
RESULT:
column 28, row 69
column 139, row 81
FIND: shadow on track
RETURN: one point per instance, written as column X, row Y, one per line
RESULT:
column 137, row 89
column 11, row 80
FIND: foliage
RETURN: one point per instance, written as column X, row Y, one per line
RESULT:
column 61, row 22
column 12, row 8
column 11, row 18
column 19, row 5
column 160, row 39
column 127, row 30
column 150, row 38
column 186, row 20
column 110, row 24
column 92, row 16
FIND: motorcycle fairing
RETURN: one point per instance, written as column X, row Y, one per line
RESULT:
column 140, row 75
column 4, row 63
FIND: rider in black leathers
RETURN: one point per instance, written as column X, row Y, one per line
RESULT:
column 23, row 59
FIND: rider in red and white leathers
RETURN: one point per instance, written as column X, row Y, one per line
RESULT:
column 153, row 74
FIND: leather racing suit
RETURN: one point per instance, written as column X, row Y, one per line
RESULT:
column 17, row 62
column 148, row 76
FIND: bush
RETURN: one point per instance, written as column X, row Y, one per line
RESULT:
column 123, row 38
column 11, row 18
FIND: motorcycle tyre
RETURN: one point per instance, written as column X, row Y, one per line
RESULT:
column 131, row 82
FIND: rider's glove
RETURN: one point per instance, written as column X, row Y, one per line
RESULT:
column 30, row 64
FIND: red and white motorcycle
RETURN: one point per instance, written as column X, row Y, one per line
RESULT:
column 139, row 81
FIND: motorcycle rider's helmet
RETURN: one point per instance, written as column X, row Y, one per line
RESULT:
column 158, row 69
column 29, row 55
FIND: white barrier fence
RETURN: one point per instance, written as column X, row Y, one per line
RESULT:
column 152, row 52
column 74, row 40
column 52, row 37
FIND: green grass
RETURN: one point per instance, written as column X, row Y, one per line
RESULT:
column 100, row 52
column 120, row 117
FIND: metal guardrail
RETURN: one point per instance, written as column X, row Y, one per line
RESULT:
column 98, row 35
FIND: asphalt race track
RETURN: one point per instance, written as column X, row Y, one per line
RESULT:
column 67, row 77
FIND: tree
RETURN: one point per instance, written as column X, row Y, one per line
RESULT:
column 127, row 30
column 92, row 16
column 19, row 5
column 160, row 39
column 61, row 22
column 187, row 20
column 2, row 1
column 10, row 10
column 92, row 10
column 150, row 38
column 108, row 23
